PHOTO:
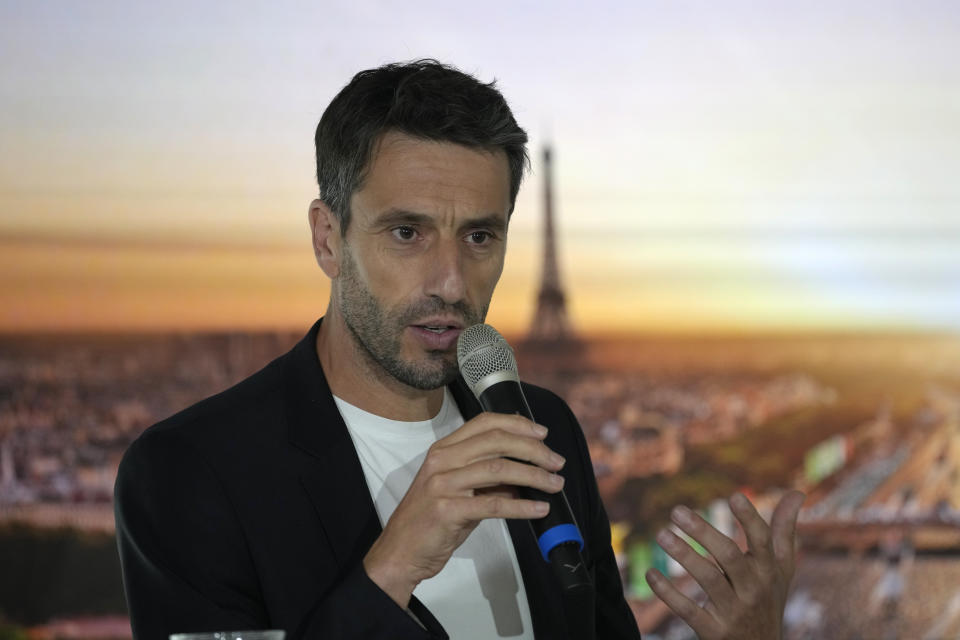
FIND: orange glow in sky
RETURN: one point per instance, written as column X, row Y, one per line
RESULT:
column 738, row 167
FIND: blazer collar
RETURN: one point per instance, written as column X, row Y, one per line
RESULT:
column 335, row 481
column 313, row 421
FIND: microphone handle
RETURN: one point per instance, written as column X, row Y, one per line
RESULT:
column 557, row 534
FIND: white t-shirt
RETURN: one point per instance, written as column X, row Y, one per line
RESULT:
column 479, row 593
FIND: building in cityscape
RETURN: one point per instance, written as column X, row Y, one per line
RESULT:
column 551, row 326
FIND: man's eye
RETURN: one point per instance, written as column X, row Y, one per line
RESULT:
column 480, row 237
column 404, row 233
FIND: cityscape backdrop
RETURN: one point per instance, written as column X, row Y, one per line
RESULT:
column 755, row 208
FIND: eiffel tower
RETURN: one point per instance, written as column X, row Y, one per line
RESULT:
column 551, row 326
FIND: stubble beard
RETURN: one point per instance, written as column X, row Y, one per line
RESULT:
column 378, row 332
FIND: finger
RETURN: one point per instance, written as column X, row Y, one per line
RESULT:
column 494, row 472
column 498, row 443
column 502, row 490
column 724, row 550
column 481, row 507
column 703, row 624
column 707, row 574
column 512, row 423
column 759, row 540
column 784, row 526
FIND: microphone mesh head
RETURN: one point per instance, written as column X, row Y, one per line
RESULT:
column 482, row 351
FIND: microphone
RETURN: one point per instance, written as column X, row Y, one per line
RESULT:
column 489, row 368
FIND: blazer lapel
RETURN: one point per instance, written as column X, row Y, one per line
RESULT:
column 335, row 481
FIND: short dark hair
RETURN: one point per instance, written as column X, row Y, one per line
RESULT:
column 423, row 99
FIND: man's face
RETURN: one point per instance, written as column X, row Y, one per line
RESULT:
column 422, row 254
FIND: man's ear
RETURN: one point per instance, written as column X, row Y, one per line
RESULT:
column 327, row 241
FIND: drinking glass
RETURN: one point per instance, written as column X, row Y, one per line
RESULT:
column 261, row 634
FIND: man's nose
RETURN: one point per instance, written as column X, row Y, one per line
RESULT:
column 445, row 269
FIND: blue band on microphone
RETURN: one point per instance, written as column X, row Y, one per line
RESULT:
column 558, row 535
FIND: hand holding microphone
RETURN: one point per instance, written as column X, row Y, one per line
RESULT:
column 476, row 473
column 464, row 479
column 489, row 368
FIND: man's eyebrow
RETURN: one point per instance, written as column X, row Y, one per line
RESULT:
column 490, row 220
column 400, row 216
column 403, row 216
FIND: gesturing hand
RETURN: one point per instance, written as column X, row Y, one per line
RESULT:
column 465, row 478
column 746, row 591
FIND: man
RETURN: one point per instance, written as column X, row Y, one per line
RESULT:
column 353, row 488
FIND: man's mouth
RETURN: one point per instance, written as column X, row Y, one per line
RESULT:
column 436, row 329
column 437, row 334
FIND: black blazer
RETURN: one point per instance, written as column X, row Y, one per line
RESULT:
column 249, row 510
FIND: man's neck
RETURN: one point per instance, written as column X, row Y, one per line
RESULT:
column 354, row 377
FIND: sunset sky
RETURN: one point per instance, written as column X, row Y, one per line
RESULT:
column 719, row 165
